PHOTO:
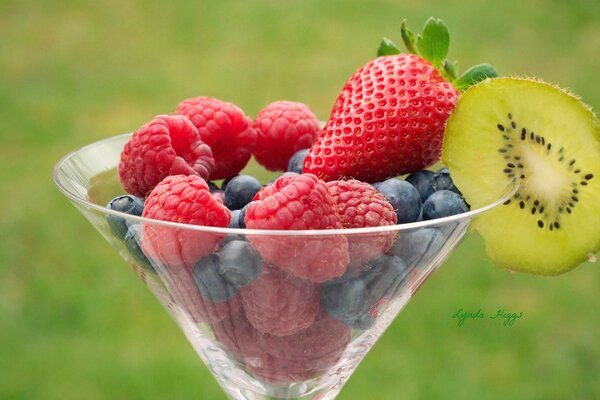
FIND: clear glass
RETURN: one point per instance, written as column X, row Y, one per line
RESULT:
column 283, row 335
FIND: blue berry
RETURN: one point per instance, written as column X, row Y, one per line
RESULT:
column 403, row 197
column 444, row 203
column 240, row 191
column 376, row 185
column 242, row 217
column 127, row 204
column 226, row 181
column 234, row 222
column 239, row 263
column 210, row 283
column 133, row 246
column 443, row 181
column 418, row 247
column 297, row 161
column 212, row 187
column 361, row 323
column 423, row 182
column 345, row 298
column 384, row 277
column 230, row 238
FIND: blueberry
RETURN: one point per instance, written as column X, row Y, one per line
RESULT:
column 242, row 217
column 212, row 187
column 240, row 191
column 443, row 203
column 234, row 221
column 443, row 181
column 133, row 246
column 212, row 285
column 423, row 182
column 403, row 197
column 239, row 263
column 345, row 298
column 230, row 238
column 297, row 161
column 226, row 182
column 418, row 247
column 384, row 277
column 127, row 204
column 376, row 185
column 361, row 323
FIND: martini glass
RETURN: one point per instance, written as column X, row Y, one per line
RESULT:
column 285, row 334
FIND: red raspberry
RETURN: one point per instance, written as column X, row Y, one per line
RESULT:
column 280, row 304
column 283, row 128
column 182, row 287
column 360, row 205
column 167, row 145
column 304, row 355
column 183, row 199
column 299, row 202
column 226, row 129
column 219, row 196
column 237, row 336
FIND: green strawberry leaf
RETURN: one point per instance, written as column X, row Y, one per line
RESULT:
column 408, row 37
column 450, row 69
column 473, row 75
column 387, row 48
column 434, row 42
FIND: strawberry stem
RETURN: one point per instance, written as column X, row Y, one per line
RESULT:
column 432, row 44
column 387, row 48
column 408, row 37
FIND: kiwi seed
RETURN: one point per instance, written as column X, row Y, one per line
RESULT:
column 552, row 216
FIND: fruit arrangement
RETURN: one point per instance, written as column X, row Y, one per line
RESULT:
column 285, row 307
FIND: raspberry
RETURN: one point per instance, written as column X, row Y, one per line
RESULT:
column 298, row 202
column 283, row 128
column 226, row 129
column 280, row 304
column 167, row 145
column 360, row 205
column 183, row 199
column 237, row 336
column 182, row 287
column 301, row 356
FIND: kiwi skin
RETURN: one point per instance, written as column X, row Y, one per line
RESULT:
column 479, row 137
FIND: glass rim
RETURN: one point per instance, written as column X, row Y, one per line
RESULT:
column 508, row 192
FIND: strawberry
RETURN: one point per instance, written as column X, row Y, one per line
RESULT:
column 390, row 116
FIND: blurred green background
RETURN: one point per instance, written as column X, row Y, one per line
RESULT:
column 75, row 323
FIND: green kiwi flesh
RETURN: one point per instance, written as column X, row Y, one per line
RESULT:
column 510, row 128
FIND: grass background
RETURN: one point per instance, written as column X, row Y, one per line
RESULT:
column 75, row 322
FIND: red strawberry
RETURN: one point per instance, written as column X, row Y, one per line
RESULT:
column 167, row 145
column 298, row 202
column 226, row 129
column 283, row 127
column 183, row 199
column 388, row 120
column 360, row 205
column 279, row 303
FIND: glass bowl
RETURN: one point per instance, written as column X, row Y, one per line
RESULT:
column 281, row 333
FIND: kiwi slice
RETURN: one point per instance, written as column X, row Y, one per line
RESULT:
column 510, row 128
